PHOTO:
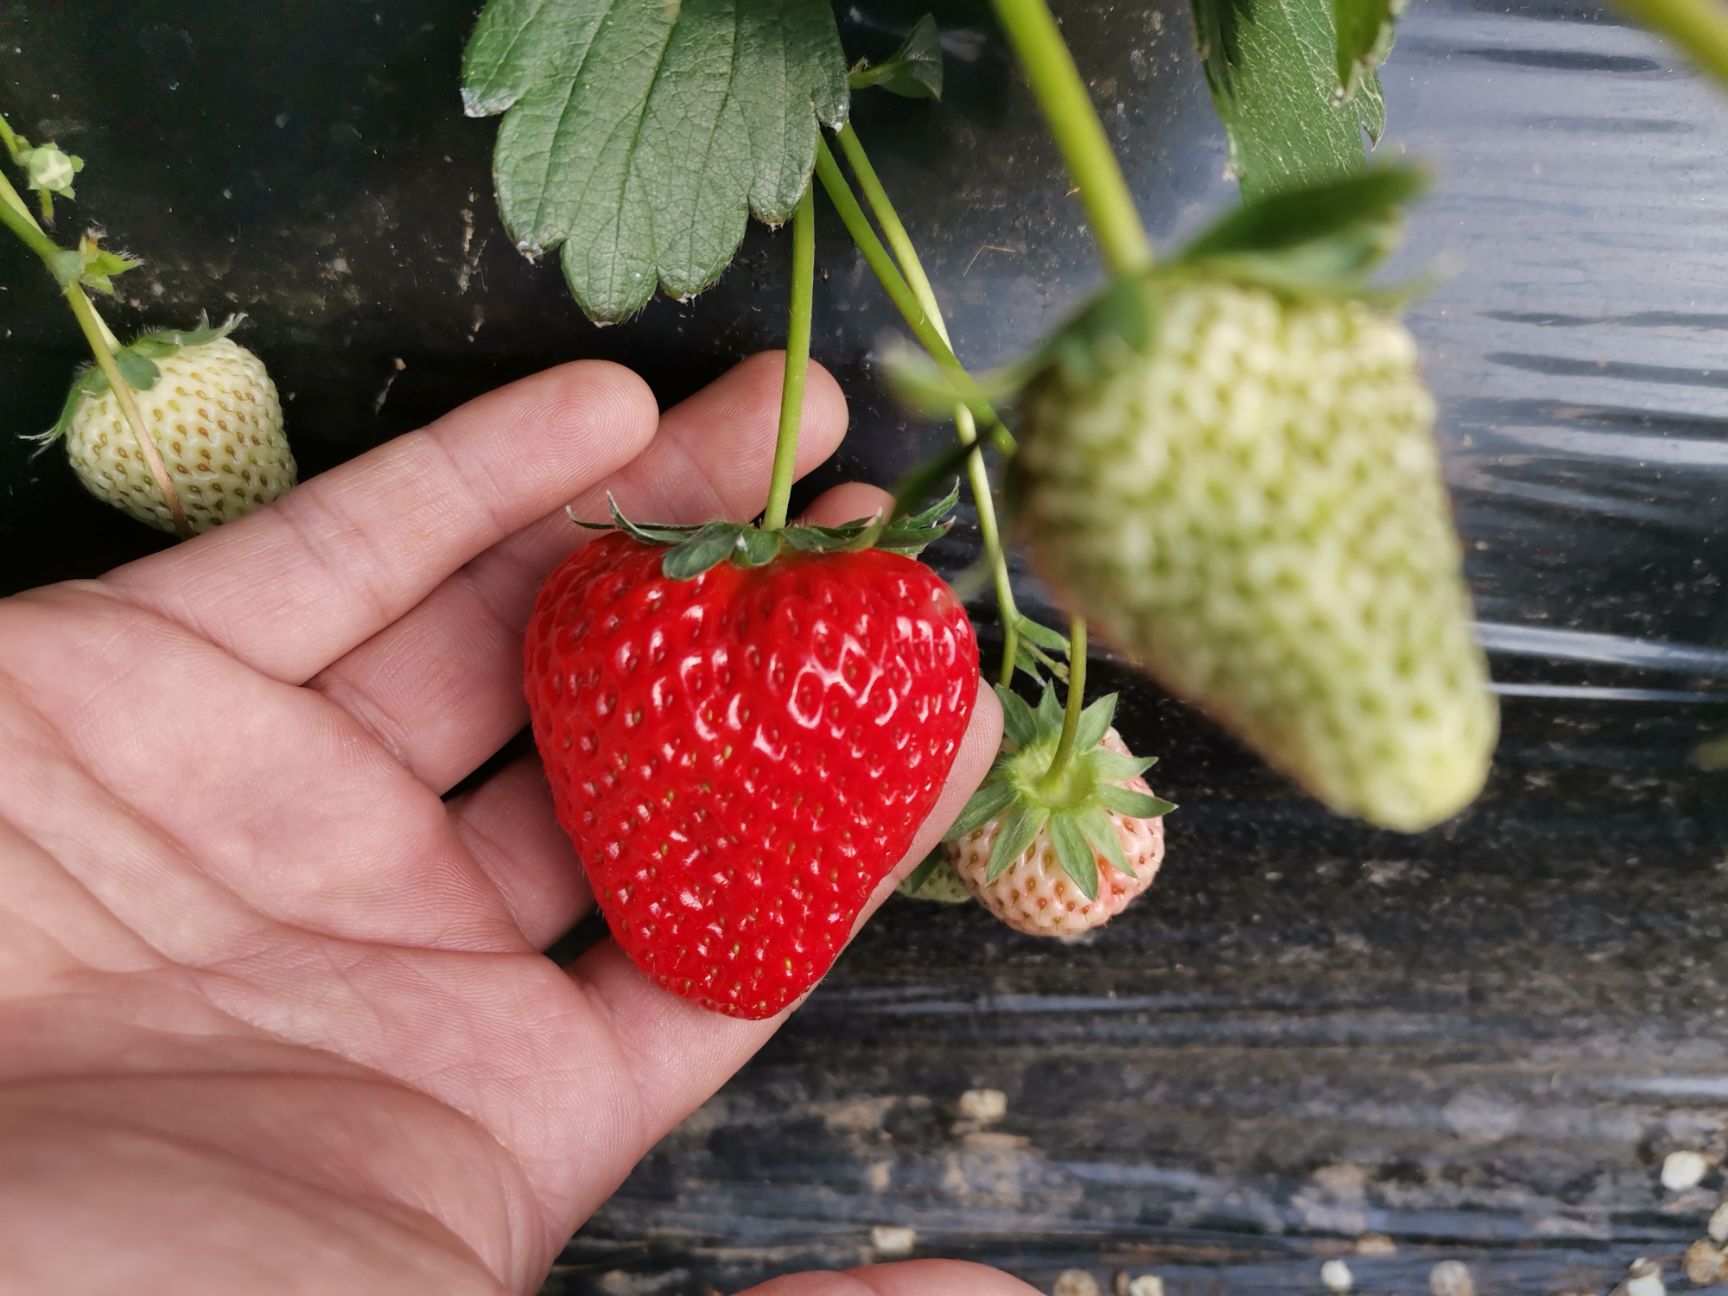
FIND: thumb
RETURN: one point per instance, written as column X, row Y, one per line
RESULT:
column 914, row 1278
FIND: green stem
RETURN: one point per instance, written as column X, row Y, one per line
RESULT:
column 797, row 360
column 9, row 138
column 900, row 292
column 1076, row 701
column 1698, row 26
column 102, row 342
column 1074, row 123
column 965, row 425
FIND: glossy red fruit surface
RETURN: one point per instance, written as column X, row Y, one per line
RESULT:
column 741, row 757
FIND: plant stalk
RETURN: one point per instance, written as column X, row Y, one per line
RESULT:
column 965, row 425
column 101, row 340
column 797, row 360
column 1074, row 123
column 893, row 283
column 1076, row 702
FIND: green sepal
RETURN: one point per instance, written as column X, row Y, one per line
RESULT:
column 1049, row 709
column 984, row 805
column 757, row 548
column 1074, row 854
column 914, row 71
column 1019, row 725
column 160, row 343
column 140, row 372
column 89, row 381
column 920, row 383
column 1042, row 635
column 1095, row 722
column 100, row 268
column 1321, row 239
column 1020, row 825
column 692, row 550
column 1136, row 805
column 710, row 546
column 1114, row 765
column 1095, row 823
column 910, row 884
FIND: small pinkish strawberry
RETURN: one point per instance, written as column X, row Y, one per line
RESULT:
column 1058, row 859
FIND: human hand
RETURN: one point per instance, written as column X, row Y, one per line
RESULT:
column 273, row 1014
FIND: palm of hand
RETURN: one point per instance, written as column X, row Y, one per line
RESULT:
column 248, row 947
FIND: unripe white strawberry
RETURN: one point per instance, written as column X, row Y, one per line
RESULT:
column 217, row 423
column 1247, row 499
column 935, row 880
column 1036, row 894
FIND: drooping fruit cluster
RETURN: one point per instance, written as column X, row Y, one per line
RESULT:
column 1248, row 500
column 742, row 756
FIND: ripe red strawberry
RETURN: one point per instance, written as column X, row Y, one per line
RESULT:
column 741, row 756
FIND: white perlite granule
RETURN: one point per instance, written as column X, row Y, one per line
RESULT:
column 1335, row 1276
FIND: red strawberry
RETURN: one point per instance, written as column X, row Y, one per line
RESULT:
column 741, row 756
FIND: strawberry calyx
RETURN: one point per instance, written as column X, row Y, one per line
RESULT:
column 136, row 362
column 1074, row 806
column 692, row 550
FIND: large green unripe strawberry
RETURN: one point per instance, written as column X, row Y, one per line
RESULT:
column 1243, row 493
column 216, row 420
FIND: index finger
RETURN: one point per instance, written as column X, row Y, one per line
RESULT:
column 294, row 586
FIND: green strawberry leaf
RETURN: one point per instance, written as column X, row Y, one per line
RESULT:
column 1101, row 834
column 914, row 71
column 1019, row 826
column 985, row 804
column 640, row 135
column 1095, row 722
column 1074, row 854
column 1136, row 805
column 1272, row 66
column 1364, row 37
column 1019, row 725
column 708, row 548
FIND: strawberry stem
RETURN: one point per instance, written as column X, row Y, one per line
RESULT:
column 1074, row 123
column 881, row 264
column 1076, row 703
column 101, row 340
column 965, row 424
column 797, row 360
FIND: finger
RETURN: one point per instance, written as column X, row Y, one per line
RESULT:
column 847, row 502
column 441, row 689
column 914, row 1278
column 508, row 825
column 294, row 586
column 674, row 1055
